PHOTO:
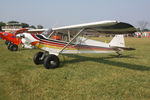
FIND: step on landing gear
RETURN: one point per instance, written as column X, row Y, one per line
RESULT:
column 49, row 61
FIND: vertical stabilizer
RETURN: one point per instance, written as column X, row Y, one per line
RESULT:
column 117, row 41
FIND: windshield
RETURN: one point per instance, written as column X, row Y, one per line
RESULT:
column 47, row 33
column 13, row 32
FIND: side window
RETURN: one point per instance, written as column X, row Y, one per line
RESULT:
column 60, row 36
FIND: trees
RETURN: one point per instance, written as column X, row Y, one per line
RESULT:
column 39, row 27
column 24, row 25
column 2, row 24
column 13, row 22
column 142, row 25
column 32, row 26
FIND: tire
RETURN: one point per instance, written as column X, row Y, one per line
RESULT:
column 51, row 62
column 7, row 42
column 37, row 58
column 13, row 47
column 9, row 45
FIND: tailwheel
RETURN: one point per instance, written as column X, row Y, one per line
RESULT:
column 38, row 58
column 13, row 47
column 51, row 61
column 119, row 54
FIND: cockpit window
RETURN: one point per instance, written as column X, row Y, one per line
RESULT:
column 13, row 32
column 47, row 33
column 54, row 35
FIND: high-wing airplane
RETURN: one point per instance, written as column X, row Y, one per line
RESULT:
column 11, row 40
column 69, row 39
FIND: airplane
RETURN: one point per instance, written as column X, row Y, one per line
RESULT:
column 11, row 40
column 69, row 40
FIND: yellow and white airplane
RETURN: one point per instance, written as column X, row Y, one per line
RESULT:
column 68, row 40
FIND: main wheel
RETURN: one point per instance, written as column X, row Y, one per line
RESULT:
column 51, row 61
column 13, row 47
column 9, row 45
column 38, row 58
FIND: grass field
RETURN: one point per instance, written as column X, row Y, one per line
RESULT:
column 80, row 77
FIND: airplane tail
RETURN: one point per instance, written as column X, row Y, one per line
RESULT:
column 118, row 42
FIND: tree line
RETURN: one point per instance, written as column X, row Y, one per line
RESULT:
column 24, row 25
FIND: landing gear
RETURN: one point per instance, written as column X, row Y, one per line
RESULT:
column 7, row 42
column 9, row 46
column 12, row 47
column 119, row 54
column 49, row 61
column 38, row 58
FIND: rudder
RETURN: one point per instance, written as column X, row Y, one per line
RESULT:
column 117, row 41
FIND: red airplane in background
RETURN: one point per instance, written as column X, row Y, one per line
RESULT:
column 11, row 40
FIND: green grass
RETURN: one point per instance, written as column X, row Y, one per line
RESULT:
column 80, row 77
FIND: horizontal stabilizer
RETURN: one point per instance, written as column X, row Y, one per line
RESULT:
column 128, row 48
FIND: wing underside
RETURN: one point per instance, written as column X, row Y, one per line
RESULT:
column 107, row 27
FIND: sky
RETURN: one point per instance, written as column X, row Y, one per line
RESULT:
column 56, row 13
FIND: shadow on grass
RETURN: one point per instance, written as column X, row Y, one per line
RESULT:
column 107, row 60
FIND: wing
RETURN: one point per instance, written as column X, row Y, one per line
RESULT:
column 21, row 30
column 37, row 30
column 110, row 27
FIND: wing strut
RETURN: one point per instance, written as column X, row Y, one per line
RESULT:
column 69, row 35
column 72, row 40
column 51, row 34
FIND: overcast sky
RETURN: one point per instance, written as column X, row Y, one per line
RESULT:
column 54, row 13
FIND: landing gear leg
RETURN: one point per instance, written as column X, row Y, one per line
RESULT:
column 7, row 42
